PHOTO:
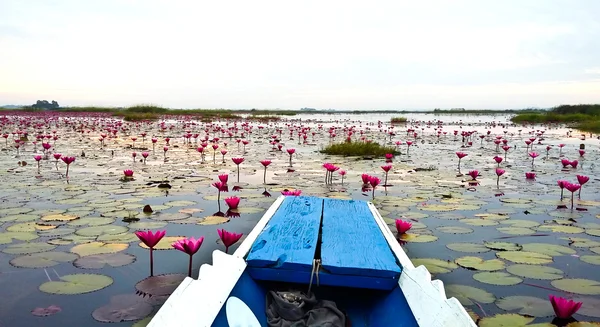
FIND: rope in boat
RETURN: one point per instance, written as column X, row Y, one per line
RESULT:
column 316, row 267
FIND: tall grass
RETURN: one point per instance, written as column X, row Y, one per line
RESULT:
column 398, row 120
column 584, row 117
column 358, row 149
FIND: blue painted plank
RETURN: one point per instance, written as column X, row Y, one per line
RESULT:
column 254, row 295
column 290, row 238
column 303, row 277
column 353, row 244
column 392, row 310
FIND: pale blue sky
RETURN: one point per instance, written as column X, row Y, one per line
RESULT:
column 290, row 54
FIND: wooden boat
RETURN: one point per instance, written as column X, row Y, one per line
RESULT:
column 334, row 251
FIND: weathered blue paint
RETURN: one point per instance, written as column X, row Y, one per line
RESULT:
column 289, row 240
column 392, row 310
column 252, row 294
column 352, row 243
column 303, row 277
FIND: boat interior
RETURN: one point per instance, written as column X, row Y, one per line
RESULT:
column 325, row 261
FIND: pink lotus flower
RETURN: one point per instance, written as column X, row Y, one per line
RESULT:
column 365, row 178
column 389, row 156
column 574, row 163
column 68, row 161
column 581, row 179
column 145, row 154
column 500, row 172
column 461, row 155
column 386, row 168
column 530, row 175
column 189, row 246
column 37, row 158
column 474, row 174
column 402, row 226
column 150, row 240
column 237, row 161
column 232, row 202
column 57, row 156
column 265, row 164
column 564, row 308
column 581, row 153
column 228, row 238
column 342, row 173
column 291, row 151
column 374, row 181
column 565, row 162
column 291, row 192
column 224, row 178
column 561, row 184
column 572, row 188
column 128, row 173
column 498, row 160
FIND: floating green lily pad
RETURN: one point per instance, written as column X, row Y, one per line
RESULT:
column 560, row 229
column 170, row 216
column 418, row 238
column 503, row 246
column 497, row 278
column 101, row 230
column 591, row 259
column 8, row 237
column 248, row 210
column 159, row 285
column 118, row 238
column 467, row 295
column 29, row 227
column 515, row 230
column 28, row 248
column 535, row 271
column 590, row 306
column 42, row 260
column 94, row 248
column 91, row 221
column 478, row 263
column 97, row 261
column 520, row 223
column 548, row 249
column 479, row 222
column 531, row 258
column 165, row 243
column 454, row 230
column 468, row 247
column 59, row 217
column 180, row 203
column 147, row 225
column 76, row 284
column 593, row 232
column 20, row 218
column 435, row 266
column 507, row 320
column 213, row 220
column 527, row 305
column 581, row 242
column 578, row 286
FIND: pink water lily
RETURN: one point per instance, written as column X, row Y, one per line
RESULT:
column 571, row 187
column 128, row 173
column 237, row 162
column 561, row 184
column 150, row 239
column 229, row 238
column 474, row 174
column 291, row 152
column 224, row 178
column 189, row 246
column 533, row 155
column 498, row 160
column 460, row 155
column 291, row 192
column 563, row 308
column 232, row 202
column 499, row 172
column 387, row 169
column 402, row 226
column 68, row 161
column 265, row 164
column 530, row 175
column 145, row 155
column 582, row 179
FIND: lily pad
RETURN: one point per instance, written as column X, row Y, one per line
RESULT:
column 479, row 222
column 477, row 263
column 159, row 285
column 590, row 306
column 507, row 320
column 531, row 258
column 42, row 260
column 467, row 295
column 98, row 261
column 454, row 230
column 535, row 272
column 548, row 249
column 98, row 248
column 497, row 278
column 101, row 230
column 180, row 203
column 147, row 225
column 126, row 307
column 527, row 305
column 591, row 259
column 28, row 248
column 248, row 210
column 435, row 266
column 118, row 238
column 213, row 220
column 91, row 221
column 578, row 286
column 20, row 218
column 503, row 246
column 515, row 230
column 59, row 217
column 76, row 284
column 560, row 229
column 8, row 237
column 165, row 243
column 578, row 242
column 28, row 227
column 418, row 238
column 468, row 247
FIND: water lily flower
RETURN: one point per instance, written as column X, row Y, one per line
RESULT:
column 574, row 163
column 530, row 175
column 291, row 152
column 389, row 156
column 145, row 155
column 374, row 181
column 342, row 173
column 561, row 184
column 223, row 153
column 224, row 178
column 291, row 192
column 402, row 226
column 150, row 239
column 229, row 238
column 68, row 161
column 498, row 160
column 265, row 164
column 387, row 169
column 533, row 155
column 365, row 178
column 128, row 173
column 237, row 162
column 499, row 172
column 563, row 308
column 474, row 174
column 581, row 153
column 232, row 202
column 460, row 155
column 189, row 246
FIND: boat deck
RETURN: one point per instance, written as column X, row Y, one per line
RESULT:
column 342, row 234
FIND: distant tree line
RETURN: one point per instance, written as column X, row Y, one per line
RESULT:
column 45, row 105
column 588, row 109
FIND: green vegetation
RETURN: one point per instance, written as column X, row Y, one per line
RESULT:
column 397, row 120
column 358, row 149
column 584, row 117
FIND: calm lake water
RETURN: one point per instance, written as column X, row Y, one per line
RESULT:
column 52, row 227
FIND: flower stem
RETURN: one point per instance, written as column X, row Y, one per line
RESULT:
column 190, row 267
column 151, row 262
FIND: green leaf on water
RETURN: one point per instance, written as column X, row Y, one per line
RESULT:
column 118, row 238
column 165, row 243
column 8, row 237
column 578, row 286
column 478, row 263
column 467, row 295
column 535, row 271
column 593, row 232
column 76, row 284
column 98, row 261
column 581, row 242
column 147, row 225
column 497, row 278
column 560, row 229
column 28, row 248
column 20, row 218
column 454, row 230
column 520, row 223
column 503, row 246
column 101, row 230
column 527, row 305
column 418, row 238
column 435, row 266
column 479, row 222
column 590, row 306
column 93, row 248
column 548, row 249
column 507, row 320
column 42, row 260
column 515, row 230
column 595, row 250
column 91, row 221
column 180, row 203
column 468, row 247
column 591, row 259
column 525, row 257
column 213, row 220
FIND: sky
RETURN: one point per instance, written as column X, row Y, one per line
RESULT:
column 287, row 54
